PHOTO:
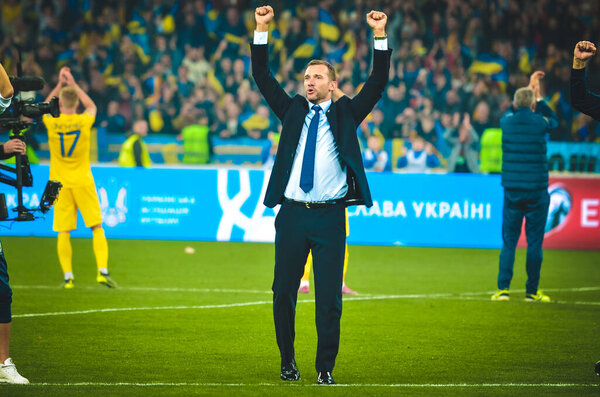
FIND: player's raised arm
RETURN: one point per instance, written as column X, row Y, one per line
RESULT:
column 263, row 16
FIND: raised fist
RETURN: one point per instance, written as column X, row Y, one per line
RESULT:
column 263, row 15
column 584, row 50
column 377, row 21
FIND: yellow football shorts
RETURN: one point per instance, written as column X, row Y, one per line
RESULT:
column 71, row 199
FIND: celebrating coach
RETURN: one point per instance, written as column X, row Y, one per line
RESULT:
column 581, row 98
column 318, row 171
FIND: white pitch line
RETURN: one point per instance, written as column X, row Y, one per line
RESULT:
column 252, row 291
column 241, row 304
column 153, row 289
column 130, row 309
column 289, row 384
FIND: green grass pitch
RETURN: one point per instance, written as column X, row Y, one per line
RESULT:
column 201, row 324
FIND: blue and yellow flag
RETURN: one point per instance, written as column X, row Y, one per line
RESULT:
column 526, row 56
column 63, row 58
column 211, row 20
column 138, row 35
column 306, row 49
column 350, row 48
column 327, row 27
column 492, row 65
column 487, row 64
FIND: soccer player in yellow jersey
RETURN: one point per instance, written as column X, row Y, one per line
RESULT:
column 69, row 142
column 305, row 281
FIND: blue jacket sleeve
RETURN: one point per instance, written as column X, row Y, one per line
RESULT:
column 548, row 114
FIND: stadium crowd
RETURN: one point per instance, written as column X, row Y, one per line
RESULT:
column 176, row 63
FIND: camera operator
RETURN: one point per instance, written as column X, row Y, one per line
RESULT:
column 8, row 371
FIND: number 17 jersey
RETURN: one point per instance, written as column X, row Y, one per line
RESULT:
column 69, row 142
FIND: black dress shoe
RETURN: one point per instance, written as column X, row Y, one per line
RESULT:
column 289, row 371
column 325, row 378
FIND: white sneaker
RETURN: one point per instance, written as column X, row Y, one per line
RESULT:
column 9, row 374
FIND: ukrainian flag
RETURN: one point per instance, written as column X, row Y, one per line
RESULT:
column 233, row 38
column 487, row 64
column 211, row 21
column 335, row 56
column 306, row 49
column 525, row 58
column 254, row 122
column 64, row 57
column 215, row 83
column 137, row 33
column 87, row 10
column 350, row 49
column 492, row 65
column 327, row 28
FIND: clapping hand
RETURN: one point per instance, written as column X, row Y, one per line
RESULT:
column 65, row 77
column 534, row 82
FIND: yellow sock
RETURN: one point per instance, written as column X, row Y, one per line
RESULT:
column 65, row 252
column 309, row 261
column 346, row 255
column 100, row 248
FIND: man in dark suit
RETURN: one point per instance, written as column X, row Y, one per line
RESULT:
column 581, row 98
column 318, row 171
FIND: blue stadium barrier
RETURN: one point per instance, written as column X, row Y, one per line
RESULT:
column 574, row 156
column 225, row 204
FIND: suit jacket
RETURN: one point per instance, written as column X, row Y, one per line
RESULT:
column 344, row 116
column 581, row 98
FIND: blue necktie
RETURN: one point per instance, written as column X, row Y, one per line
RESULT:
column 307, row 176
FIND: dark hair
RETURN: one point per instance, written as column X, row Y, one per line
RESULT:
column 332, row 74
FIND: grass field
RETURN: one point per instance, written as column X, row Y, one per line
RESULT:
column 202, row 324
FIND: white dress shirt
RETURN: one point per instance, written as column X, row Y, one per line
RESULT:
column 329, row 179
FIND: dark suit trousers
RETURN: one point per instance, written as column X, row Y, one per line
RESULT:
column 298, row 230
column 533, row 206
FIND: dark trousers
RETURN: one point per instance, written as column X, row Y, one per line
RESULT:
column 5, row 291
column 298, row 230
column 533, row 206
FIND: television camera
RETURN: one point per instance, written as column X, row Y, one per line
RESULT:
column 12, row 120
